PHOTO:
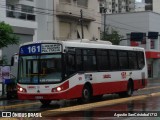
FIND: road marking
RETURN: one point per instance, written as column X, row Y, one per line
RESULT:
column 9, row 119
column 18, row 105
column 94, row 105
column 36, row 103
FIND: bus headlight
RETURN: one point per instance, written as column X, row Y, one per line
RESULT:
column 20, row 89
column 59, row 89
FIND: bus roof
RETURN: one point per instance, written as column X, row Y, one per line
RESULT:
column 87, row 44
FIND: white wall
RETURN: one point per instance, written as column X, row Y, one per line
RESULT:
column 17, row 22
column 94, row 27
column 136, row 22
column 2, row 9
column 45, row 20
column 129, row 22
column 156, row 6
column 48, row 26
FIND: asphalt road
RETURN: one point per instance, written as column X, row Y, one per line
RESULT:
column 144, row 100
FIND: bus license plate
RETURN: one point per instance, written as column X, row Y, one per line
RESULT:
column 38, row 97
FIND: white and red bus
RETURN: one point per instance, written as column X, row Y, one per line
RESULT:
column 56, row 70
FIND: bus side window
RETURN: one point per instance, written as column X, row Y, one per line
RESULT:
column 141, row 62
column 113, row 60
column 70, row 64
column 89, row 60
column 79, row 61
column 123, row 60
column 103, row 60
column 132, row 60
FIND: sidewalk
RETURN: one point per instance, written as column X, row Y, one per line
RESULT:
column 153, row 82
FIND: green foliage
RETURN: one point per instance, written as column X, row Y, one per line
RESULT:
column 4, row 60
column 7, row 37
column 113, row 36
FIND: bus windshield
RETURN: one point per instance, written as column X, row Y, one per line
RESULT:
column 40, row 69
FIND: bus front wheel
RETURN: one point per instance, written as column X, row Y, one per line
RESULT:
column 45, row 102
column 86, row 95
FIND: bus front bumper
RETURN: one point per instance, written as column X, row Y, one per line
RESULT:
column 25, row 96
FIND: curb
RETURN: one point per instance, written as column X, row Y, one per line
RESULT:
column 60, row 111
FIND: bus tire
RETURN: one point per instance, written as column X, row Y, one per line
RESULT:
column 129, row 91
column 86, row 95
column 45, row 102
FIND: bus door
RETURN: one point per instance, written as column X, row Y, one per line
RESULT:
column 32, row 70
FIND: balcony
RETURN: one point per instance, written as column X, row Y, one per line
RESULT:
column 71, row 11
column 20, row 15
column 15, row 12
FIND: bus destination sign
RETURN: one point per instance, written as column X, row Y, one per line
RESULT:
column 40, row 49
column 50, row 48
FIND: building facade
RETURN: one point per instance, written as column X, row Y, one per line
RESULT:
column 149, row 5
column 62, row 19
column 48, row 20
column 117, row 6
column 140, row 22
column 21, row 16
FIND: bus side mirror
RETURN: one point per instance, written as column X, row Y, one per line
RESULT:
column 12, row 61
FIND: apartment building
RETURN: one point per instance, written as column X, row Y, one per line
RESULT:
column 50, row 19
column 149, row 5
column 61, row 19
column 21, row 16
column 117, row 6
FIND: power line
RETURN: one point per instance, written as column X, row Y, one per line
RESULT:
column 51, row 14
column 124, row 24
column 116, row 26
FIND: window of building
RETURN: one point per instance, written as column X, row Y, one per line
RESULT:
column 65, row 1
column 28, row 9
column 82, row 3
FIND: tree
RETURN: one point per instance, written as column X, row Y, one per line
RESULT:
column 113, row 36
column 4, row 60
column 7, row 37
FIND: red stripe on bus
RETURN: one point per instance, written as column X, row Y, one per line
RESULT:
column 76, row 92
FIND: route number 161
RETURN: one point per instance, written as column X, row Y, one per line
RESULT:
column 34, row 49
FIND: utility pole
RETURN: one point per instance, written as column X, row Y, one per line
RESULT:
column 104, row 10
column 104, row 23
column 82, row 23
